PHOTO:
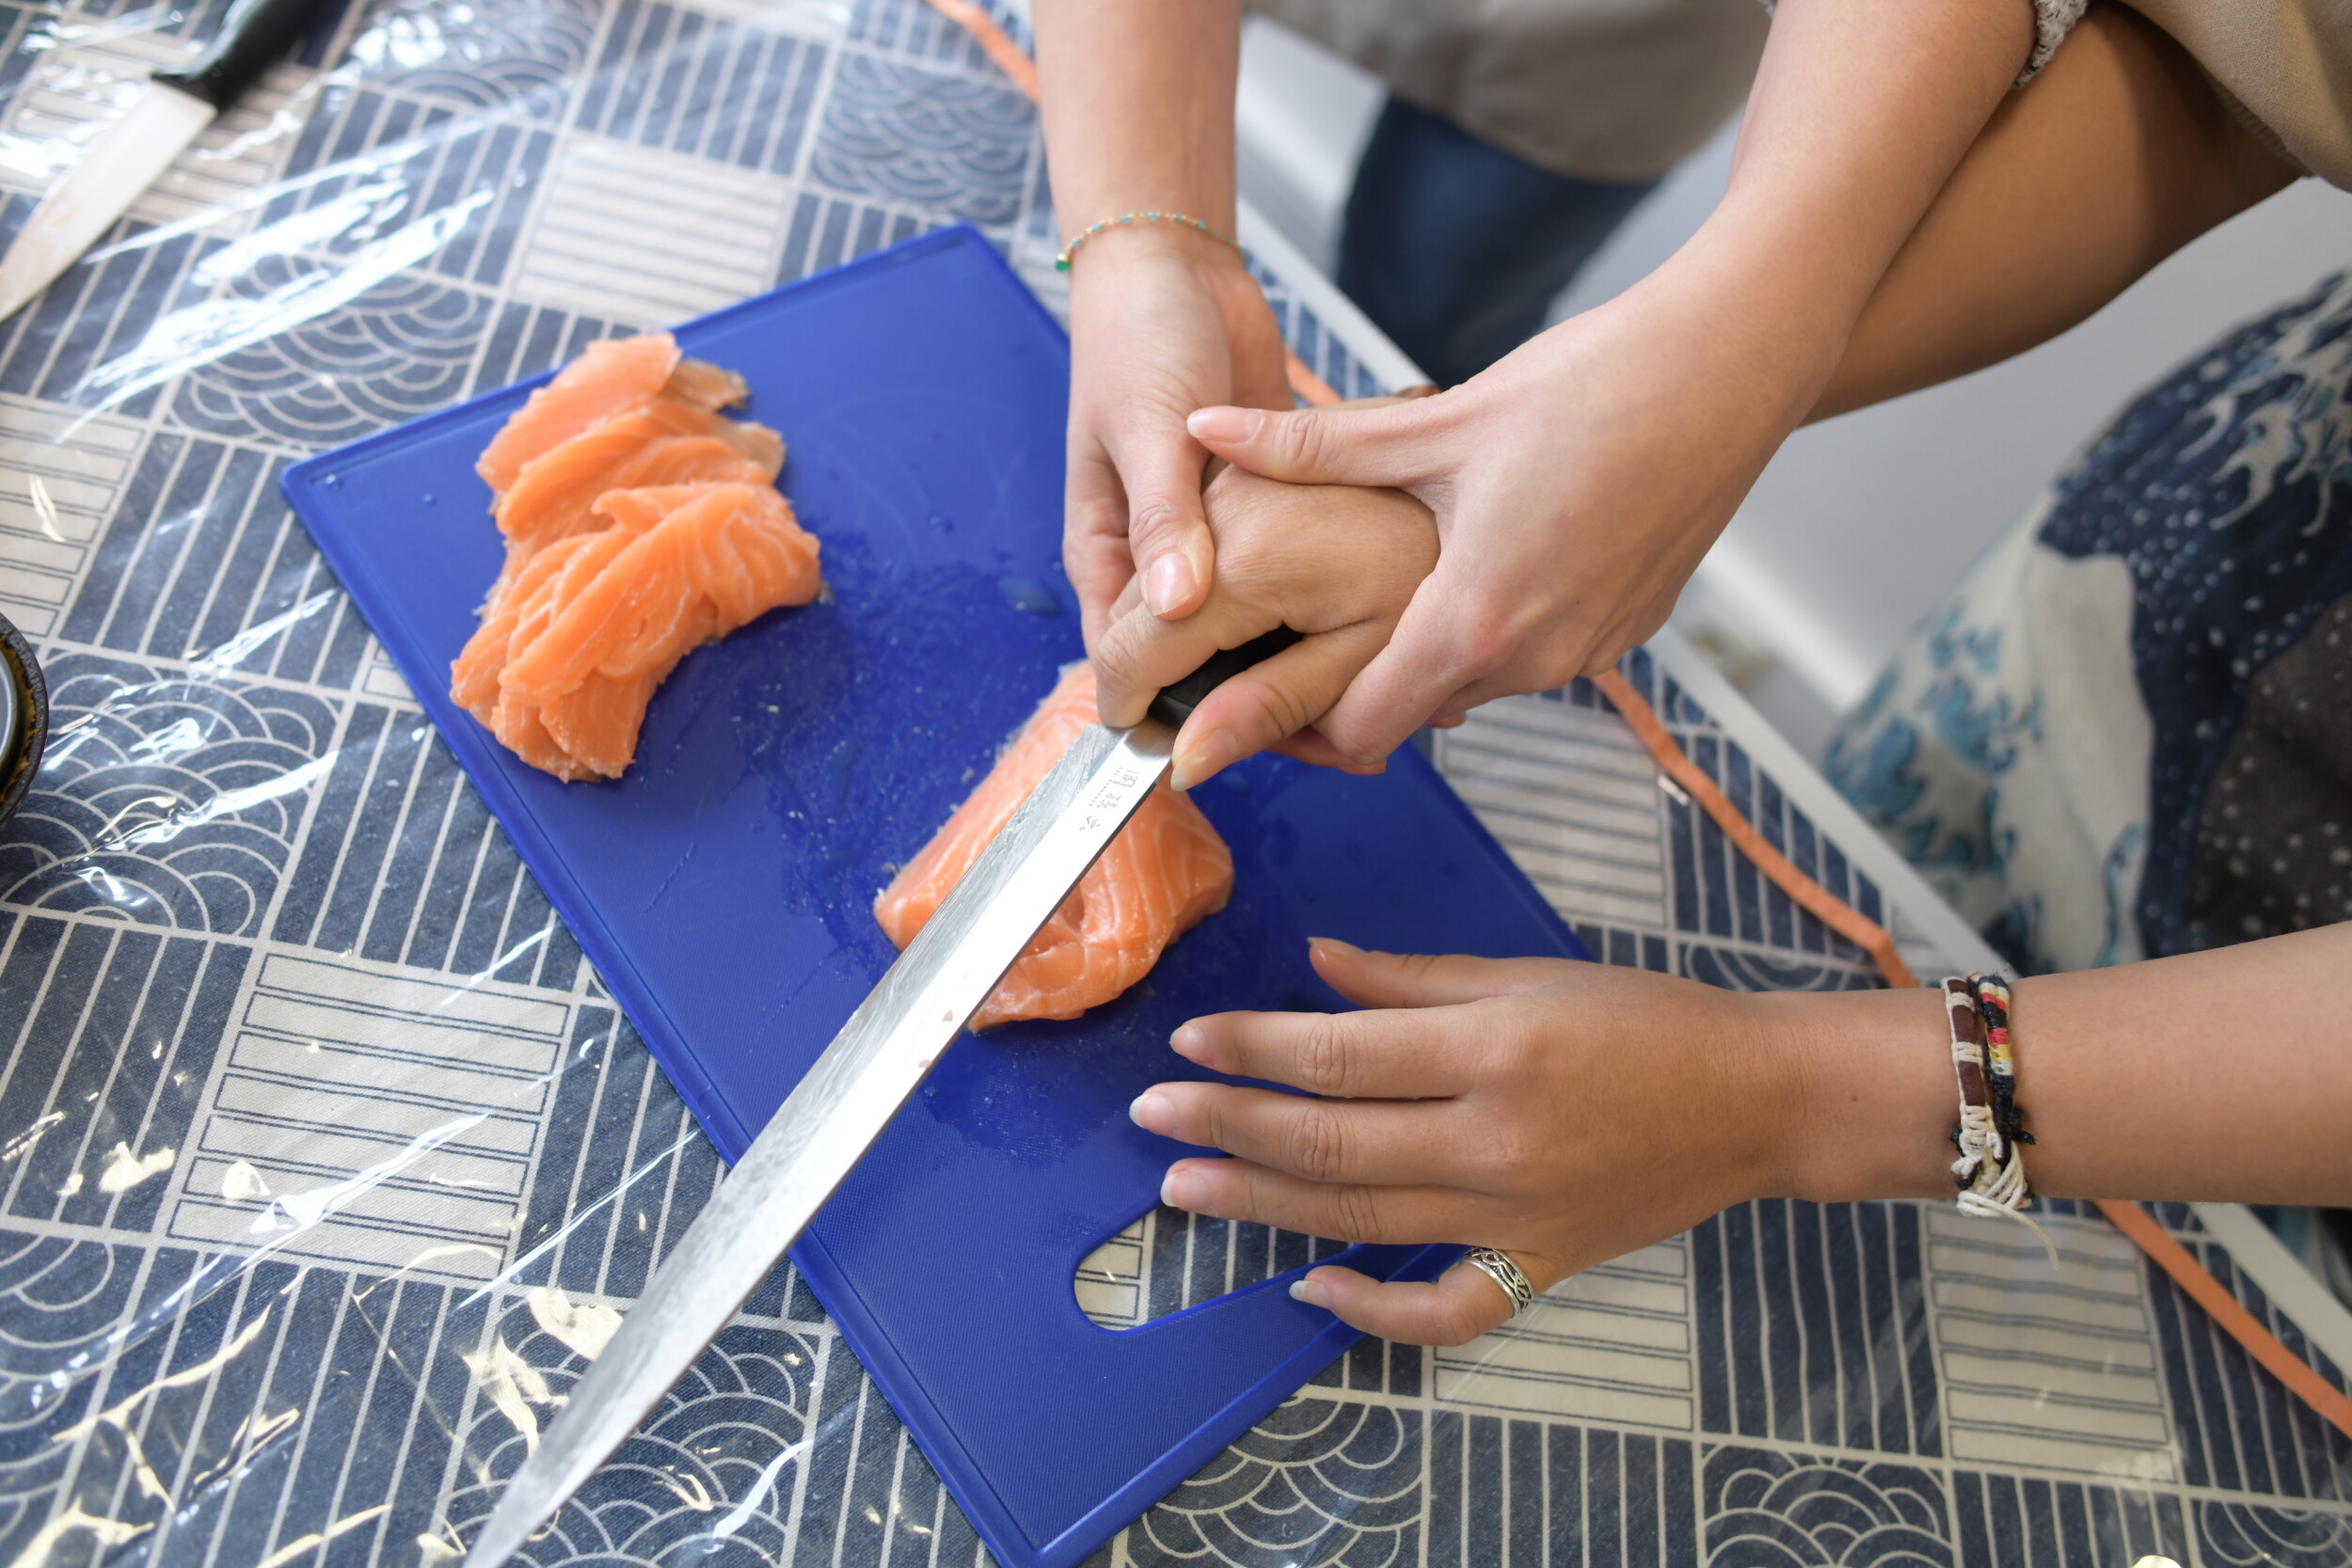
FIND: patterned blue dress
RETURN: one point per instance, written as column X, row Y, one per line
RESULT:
column 2128, row 730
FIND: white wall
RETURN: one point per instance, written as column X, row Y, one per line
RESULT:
column 1300, row 123
column 1860, row 525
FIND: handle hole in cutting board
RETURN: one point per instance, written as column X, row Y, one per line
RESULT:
column 1169, row 1261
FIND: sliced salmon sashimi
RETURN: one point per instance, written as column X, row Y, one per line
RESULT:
column 722, row 558
column 666, row 442
column 640, row 523
column 1166, row 872
column 609, row 378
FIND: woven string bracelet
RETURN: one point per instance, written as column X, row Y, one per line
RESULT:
column 1070, row 247
column 2000, row 1064
column 1990, row 1135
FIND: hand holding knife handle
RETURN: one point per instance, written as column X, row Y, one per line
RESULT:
column 1174, row 705
column 255, row 33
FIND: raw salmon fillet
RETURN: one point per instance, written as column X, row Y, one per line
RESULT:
column 1166, row 872
column 616, row 376
column 640, row 523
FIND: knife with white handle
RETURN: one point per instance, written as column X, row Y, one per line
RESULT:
column 127, row 156
column 854, row 1089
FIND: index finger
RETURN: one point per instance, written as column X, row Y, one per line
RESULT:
column 1367, row 1055
column 1138, row 653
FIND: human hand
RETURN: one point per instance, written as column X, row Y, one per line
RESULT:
column 1162, row 320
column 1566, row 1112
column 1576, row 484
column 1335, row 564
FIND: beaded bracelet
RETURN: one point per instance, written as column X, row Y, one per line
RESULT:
column 1991, row 1132
column 2000, row 1064
column 1070, row 249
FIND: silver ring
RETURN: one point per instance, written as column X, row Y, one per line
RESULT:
column 1498, row 1267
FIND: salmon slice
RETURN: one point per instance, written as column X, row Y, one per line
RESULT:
column 608, row 378
column 705, row 385
column 616, row 376
column 692, row 564
column 555, row 575
column 1166, row 872
column 520, row 730
column 666, row 442
column 525, row 594
column 640, row 523
column 597, row 723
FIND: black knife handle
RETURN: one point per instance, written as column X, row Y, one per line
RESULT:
column 1174, row 705
column 254, row 33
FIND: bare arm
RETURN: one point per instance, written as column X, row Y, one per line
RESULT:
column 1570, row 1113
column 1139, row 107
column 1577, row 482
column 2116, row 156
column 2219, row 1076
column 1861, row 110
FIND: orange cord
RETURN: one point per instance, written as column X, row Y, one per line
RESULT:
column 2235, row 1321
column 1308, row 385
column 1833, row 912
column 1828, row 908
column 1866, row 934
column 993, row 40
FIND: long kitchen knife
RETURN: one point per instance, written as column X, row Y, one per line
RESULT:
column 878, row 1060
column 127, row 156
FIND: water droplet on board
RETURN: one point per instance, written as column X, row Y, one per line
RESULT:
column 332, row 481
column 1030, row 597
column 942, row 524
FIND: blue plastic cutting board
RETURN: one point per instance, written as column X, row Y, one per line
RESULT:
column 723, row 887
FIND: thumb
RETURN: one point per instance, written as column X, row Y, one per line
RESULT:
column 1317, row 446
column 1421, row 980
column 1168, row 531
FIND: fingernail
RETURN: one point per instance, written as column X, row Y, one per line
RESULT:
column 1224, row 424
column 1204, row 758
column 1334, row 946
column 1168, row 582
column 1153, row 1112
column 1308, row 1291
column 1187, row 1043
column 1182, row 1188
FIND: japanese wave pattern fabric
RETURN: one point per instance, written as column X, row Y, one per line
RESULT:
column 326, row 1164
column 2124, row 735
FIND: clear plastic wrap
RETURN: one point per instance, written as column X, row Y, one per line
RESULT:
column 328, row 1163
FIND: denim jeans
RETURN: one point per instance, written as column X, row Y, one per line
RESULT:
column 1455, row 248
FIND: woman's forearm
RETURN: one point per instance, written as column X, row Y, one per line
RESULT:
column 2117, row 155
column 1860, row 112
column 1139, row 107
column 2219, row 1076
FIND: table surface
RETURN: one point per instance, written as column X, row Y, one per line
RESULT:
column 325, row 1158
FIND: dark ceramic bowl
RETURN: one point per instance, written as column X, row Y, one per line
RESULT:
column 23, row 718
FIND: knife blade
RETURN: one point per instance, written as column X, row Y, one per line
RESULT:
column 878, row 1059
column 129, row 156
